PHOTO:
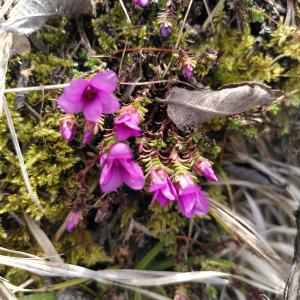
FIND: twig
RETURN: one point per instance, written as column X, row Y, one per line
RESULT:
column 148, row 49
column 122, row 58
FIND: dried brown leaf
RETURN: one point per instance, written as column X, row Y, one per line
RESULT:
column 188, row 109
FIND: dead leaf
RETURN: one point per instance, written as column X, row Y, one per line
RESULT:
column 28, row 16
column 188, row 109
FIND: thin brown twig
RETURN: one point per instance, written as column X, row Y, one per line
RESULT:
column 150, row 49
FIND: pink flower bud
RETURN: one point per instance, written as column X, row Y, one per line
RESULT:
column 188, row 70
column 203, row 168
column 73, row 219
column 68, row 127
column 90, row 129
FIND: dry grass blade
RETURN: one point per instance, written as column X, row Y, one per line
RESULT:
column 263, row 269
column 20, row 156
column 244, row 230
column 7, row 5
column 5, row 46
column 6, row 293
column 130, row 279
column 43, row 240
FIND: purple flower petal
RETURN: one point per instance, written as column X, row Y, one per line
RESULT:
column 68, row 106
column 76, row 89
column 187, row 202
column 168, row 193
column 110, row 178
column 93, row 110
column 122, row 119
column 191, row 198
column 163, row 201
column 120, row 151
column 110, row 104
column 123, row 132
column 156, row 186
column 201, row 203
column 132, row 175
column 106, row 81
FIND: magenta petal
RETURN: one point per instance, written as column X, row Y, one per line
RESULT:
column 201, row 204
column 184, row 212
column 93, row 110
column 154, row 198
column 163, row 201
column 122, row 119
column 156, row 187
column 110, row 178
column 120, row 151
column 168, row 193
column 68, row 106
column 123, row 132
column 106, row 81
column 187, row 202
column 76, row 89
column 132, row 175
column 109, row 102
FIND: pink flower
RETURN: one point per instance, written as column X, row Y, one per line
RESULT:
column 191, row 199
column 188, row 70
column 92, row 97
column 161, row 185
column 73, row 219
column 90, row 129
column 203, row 168
column 141, row 3
column 68, row 128
column 126, row 125
column 118, row 168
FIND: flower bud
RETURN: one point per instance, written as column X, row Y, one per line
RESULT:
column 164, row 29
column 73, row 219
column 68, row 127
column 203, row 168
column 188, row 70
column 90, row 129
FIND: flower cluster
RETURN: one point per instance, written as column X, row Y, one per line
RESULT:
column 190, row 197
column 95, row 97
